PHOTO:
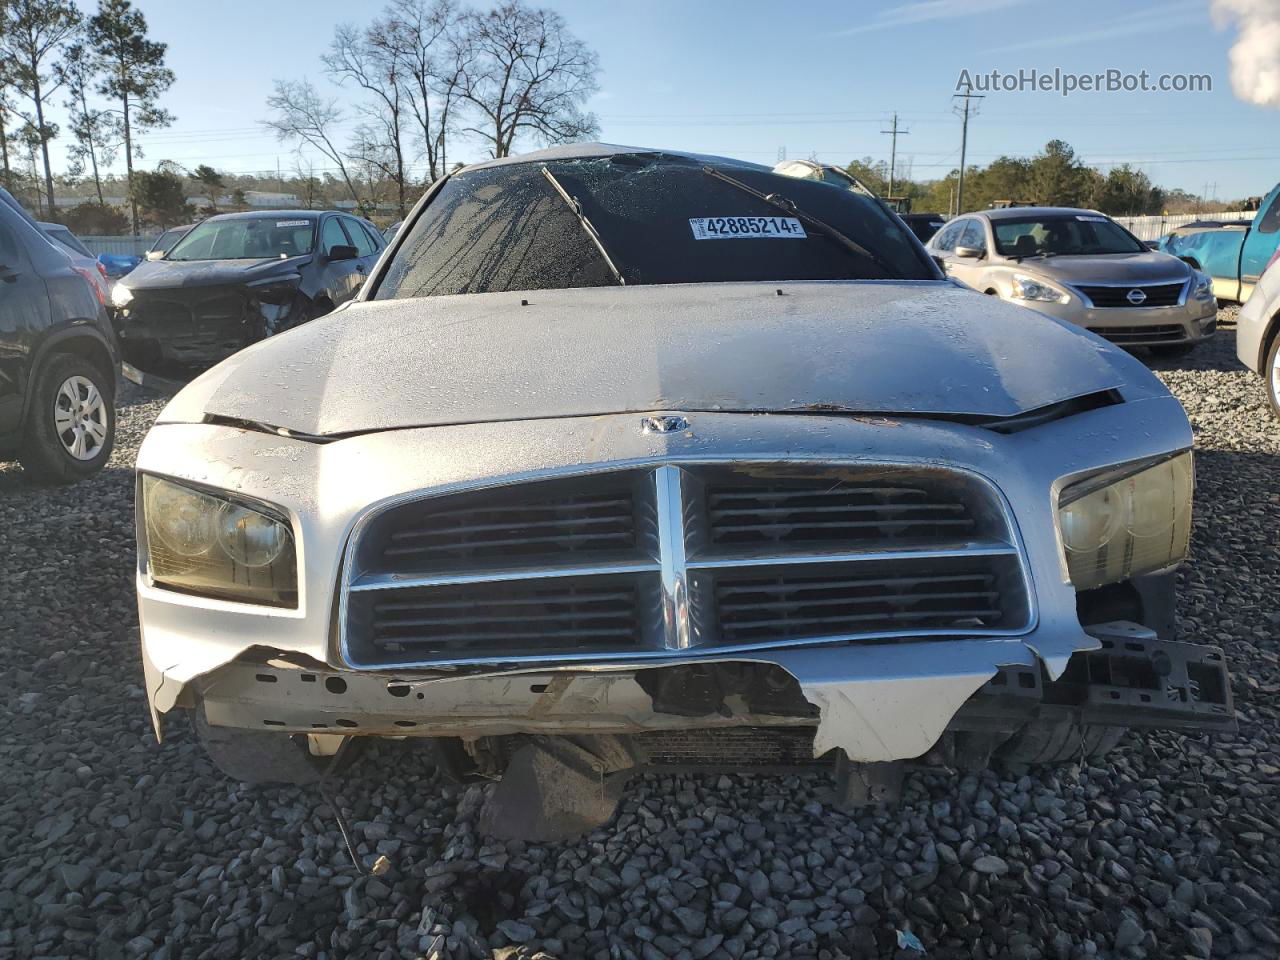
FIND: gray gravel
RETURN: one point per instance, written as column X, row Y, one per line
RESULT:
column 114, row 847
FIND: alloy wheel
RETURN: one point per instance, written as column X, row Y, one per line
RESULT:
column 80, row 417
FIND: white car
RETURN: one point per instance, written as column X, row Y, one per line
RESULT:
column 1258, row 332
column 628, row 458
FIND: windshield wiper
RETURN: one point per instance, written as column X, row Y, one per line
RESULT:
column 587, row 226
column 779, row 202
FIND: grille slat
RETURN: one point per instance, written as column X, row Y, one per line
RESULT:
column 1159, row 332
column 822, row 511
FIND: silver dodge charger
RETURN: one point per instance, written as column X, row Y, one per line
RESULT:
column 626, row 459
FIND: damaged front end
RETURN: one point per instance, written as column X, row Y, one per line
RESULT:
column 565, row 602
column 175, row 333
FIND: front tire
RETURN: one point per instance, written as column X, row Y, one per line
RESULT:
column 1271, row 374
column 253, row 756
column 71, row 426
column 1045, row 741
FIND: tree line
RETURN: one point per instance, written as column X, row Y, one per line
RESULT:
column 109, row 74
column 424, row 72
column 1056, row 176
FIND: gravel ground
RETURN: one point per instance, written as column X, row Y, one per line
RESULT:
column 112, row 846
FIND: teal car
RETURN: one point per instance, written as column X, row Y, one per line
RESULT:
column 1233, row 254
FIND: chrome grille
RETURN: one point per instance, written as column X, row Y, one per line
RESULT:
column 696, row 557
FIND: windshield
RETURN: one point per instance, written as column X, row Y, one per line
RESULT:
column 1062, row 235
column 246, row 238
column 661, row 219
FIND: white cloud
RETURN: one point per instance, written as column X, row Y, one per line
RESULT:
column 1255, row 57
column 927, row 11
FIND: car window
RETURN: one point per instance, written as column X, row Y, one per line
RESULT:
column 359, row 237
column 70, row 241
column 1269, row 222
column 660, row 218
column 332, row 235
column 9, row 255
column 947, row 238
column 973, row 236
column 164, row 243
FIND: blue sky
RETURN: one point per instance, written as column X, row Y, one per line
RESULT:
column 747, row 78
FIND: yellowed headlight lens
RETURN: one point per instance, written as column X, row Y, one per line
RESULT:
column 1134, row 525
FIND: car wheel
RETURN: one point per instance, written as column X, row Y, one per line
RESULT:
column 253, row 756
column 1271, row 373
column 1043, row 741
column 1172, row 351
column 71, row 426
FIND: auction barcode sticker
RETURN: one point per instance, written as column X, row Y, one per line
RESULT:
column 746, row 228
column 293, row 223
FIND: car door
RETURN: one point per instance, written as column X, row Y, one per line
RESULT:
column 367, row 248
column 971, row 271
column 954, row 236
column 1260, row 244
column 335, row 275
column 24, row 313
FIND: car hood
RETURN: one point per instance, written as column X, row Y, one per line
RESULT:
column 1135, row 268
column 925, row 347
column 171, row 274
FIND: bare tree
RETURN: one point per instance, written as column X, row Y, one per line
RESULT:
column 302, row 116
column 422, row 40
column 33, row 32
column 355, row 56
column 526, row 73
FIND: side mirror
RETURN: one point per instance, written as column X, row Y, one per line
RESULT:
column 342, row 251
column 969, row 253
column 155, row 254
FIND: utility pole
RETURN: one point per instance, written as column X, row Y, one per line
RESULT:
column 893, row 149
column 969, row 109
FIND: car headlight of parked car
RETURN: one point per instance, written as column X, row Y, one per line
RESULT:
column 1029, row 288
column 1201, row 284
column 276, row 290
column 121, row 295
column 1120, row 524
column 217, row 545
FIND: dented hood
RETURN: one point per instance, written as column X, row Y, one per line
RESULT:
column 858, row 347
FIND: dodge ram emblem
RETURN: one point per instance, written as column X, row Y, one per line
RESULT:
column 663, row 424
column 1135, row 296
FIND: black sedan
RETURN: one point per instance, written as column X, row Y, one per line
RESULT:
column 233, row 280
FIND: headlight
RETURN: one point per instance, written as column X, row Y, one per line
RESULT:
column 218, row 546
column 1201, row 284
column 121, row 295
column 1117, row 526
column 276, row 290
column 1029, row 288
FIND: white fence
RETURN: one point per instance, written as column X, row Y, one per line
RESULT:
column 1153, row 228
column 130, row 246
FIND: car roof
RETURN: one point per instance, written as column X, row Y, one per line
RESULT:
column 1019, row 213
column 252, row 214
column 593, row 150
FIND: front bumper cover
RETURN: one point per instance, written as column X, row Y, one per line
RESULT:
column 877, row 701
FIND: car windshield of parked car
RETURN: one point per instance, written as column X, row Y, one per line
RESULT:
column 659, row 218
column 246, row 238
column 1082, row 234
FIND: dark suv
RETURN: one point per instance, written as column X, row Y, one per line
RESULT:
column 58, row 356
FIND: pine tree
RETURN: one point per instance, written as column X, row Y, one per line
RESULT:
column 135, row 77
